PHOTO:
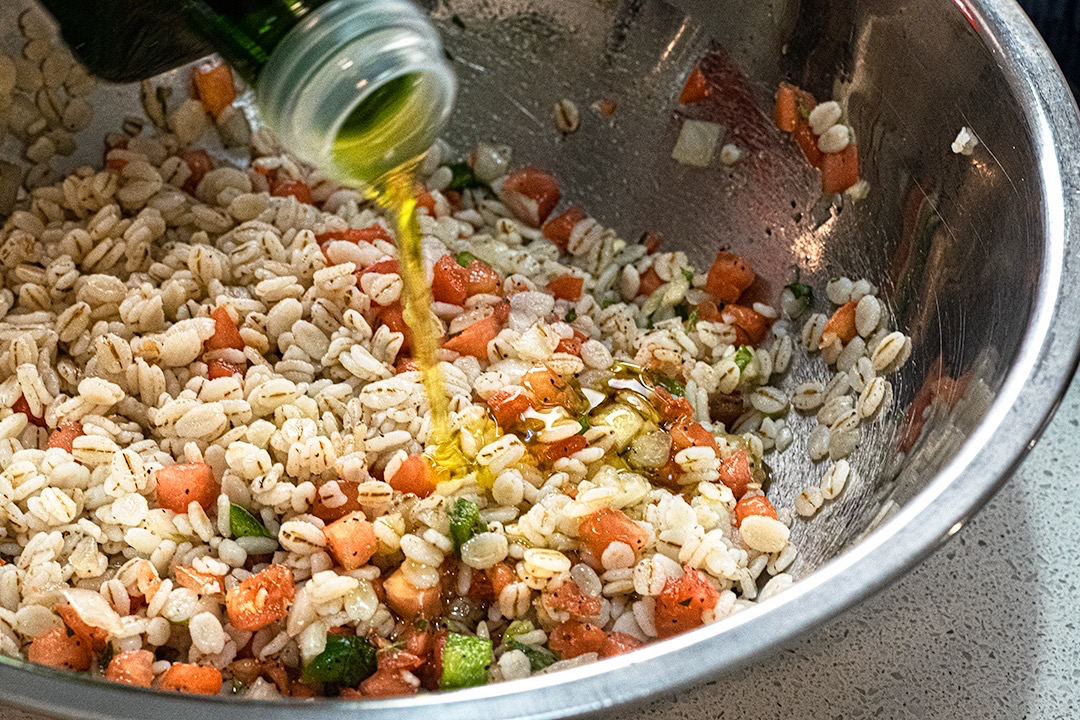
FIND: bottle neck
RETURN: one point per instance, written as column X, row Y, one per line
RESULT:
column 246, row 32
column 357, row 87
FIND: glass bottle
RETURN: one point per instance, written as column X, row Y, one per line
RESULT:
column 371, row 71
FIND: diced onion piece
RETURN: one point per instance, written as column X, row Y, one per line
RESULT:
column 697, row 143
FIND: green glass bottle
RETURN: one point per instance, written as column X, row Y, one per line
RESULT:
column 368, row 75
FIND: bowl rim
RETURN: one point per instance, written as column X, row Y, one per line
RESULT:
column 1030, row 394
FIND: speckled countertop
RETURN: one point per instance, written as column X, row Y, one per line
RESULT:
column 987, row 628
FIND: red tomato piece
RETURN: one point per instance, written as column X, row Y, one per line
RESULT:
column 618, row 643
column 474, row 339
column 351, row 540
column 132, row 667
column 609, row 525
column 385, row 684
column 450, row 283
column 22, row 406
column 64, row 435
column 568, row 597
column 261, row 599
column 689, row 433
column 414, row 476
column 214, row 86
column 348, row 488
column 563, row 448
column 567, row 287
column 481, row 278
column 729, row 277
column 839, row 171
column 179, row 485
column 220, row 368
column 571, row 346
column 757, row 505
column 194, row 679
column 735, row 472
column 297, row 189
column 807, row 141
column 649, row 283
column 682, row 602
column 559, row 228
column 531, row 195
column 199, row 163
column 226, row 334
column 696, row 88
column 94, row 637
column 508, row 404
column 56, row 648
column 754, row 325
column 573, row 638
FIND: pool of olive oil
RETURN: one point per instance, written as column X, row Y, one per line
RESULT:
column 366, row 152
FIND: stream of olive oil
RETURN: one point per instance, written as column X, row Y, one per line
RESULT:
column 366, row 151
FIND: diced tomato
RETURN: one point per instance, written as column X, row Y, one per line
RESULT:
column 226, row 334
column 414, row 477
column 648, row 283
column 325, row 513
column 563, row 448
column 386, row 266
column 607, row 525
column 573, row 638
column 449, row 284
column 570, row 345
column 419, row 642
column 481, row 590
column 757, row 505
column 132, row 667
column 729, row 277
column 839, row 171
column 842, row 323
column 299, row 689
column 550, row 389
column 618, row 643
column 508, row 404
column 297, row 189
column 214, row 86
column 567, row 287
column 405, row 364
column 708, row 312
column 203, row 583
column 179, row 485
column 393, row 318
column 22, row 406
column 94, row 637
column 351, row 540
column 199, row 163
column 807, row 141
column 355, row 235
column 409, row 601
column 689, row 433
column 652, row 242
column 56, row 648
column 220, row 368
column 568, row 597
column 261, row 599
column 481, row 278
column 194, row 679
column 696, row 88
column 674, row 409
column 735, row 472
column 682, row 602
column 64, row 435
column 385, row 684
column 500, row 576
column 559, row 228
column 425, row 201
column 531, row 195
column 474, row 339
column 785, row 115
column 753, row 324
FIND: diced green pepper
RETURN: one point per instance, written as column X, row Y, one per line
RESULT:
column 465, row 660
column 538, row 657
column 465, row 258
column 743, row 356
column 344, row 663
column 243, row 524
column 463, row 177
column 465, row 522
column 518, row 627
column 584, row 422
column 801, row 291
column 571, row 315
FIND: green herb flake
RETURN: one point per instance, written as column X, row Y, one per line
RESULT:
column 518, row 627
column 243, row 524
column 803, row 111
column 571, row 316
column 691, row 322
column 465, row 522
column 743, row 356
column 237, row 686
column 801, row 291
column 538, row 657
column 465, row 258
column 456, row 19
column 465, row 660
column 585, row 424
column 343, row 663
column 689, row 275
column 462, row 177
column 670, row 384
column 106, row 655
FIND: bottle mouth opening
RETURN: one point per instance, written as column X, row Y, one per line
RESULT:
column 358, row 88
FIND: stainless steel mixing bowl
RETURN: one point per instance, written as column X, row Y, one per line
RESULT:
column 978, row 257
